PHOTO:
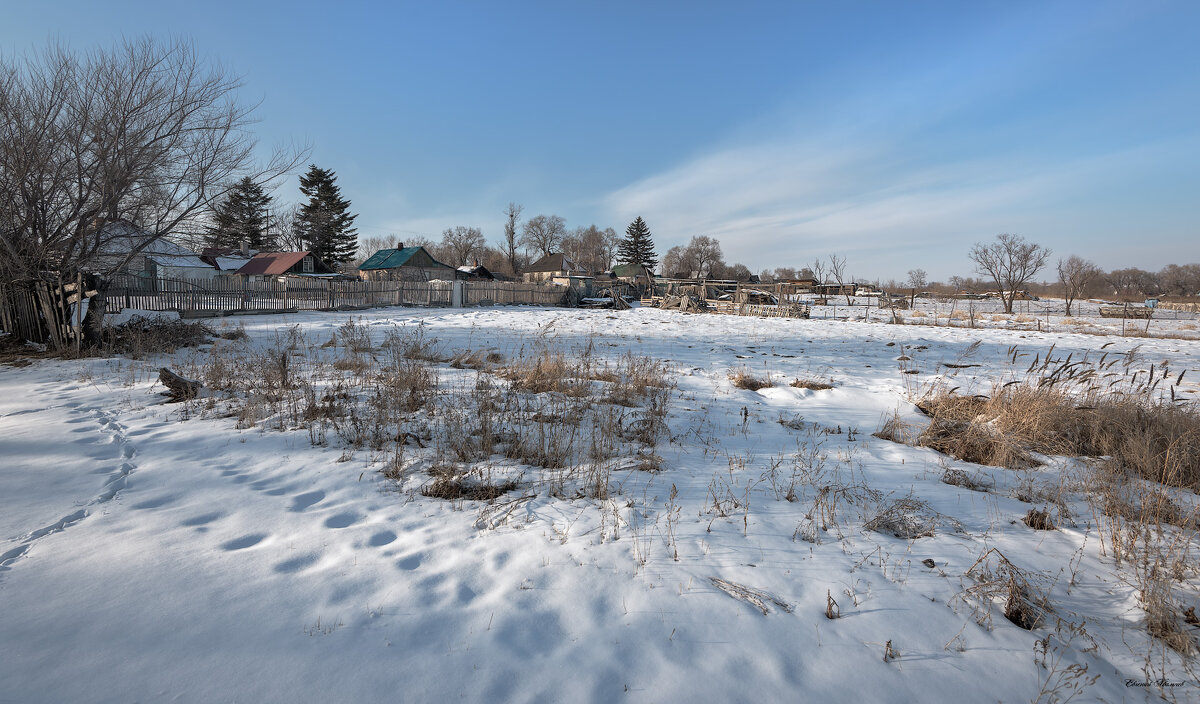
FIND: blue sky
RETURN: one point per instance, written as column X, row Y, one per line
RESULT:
column 895, row 134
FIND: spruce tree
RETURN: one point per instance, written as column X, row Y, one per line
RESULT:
column 243, row 216
column 637, row 247
column 324, row 222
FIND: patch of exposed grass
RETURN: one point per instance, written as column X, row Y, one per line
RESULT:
column 743, row 379
column 811, row 384
column 141, row 336
column 450, row 489
column 1155, row 440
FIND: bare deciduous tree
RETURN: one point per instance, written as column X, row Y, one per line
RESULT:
column 512, row 215
column 460, row 245
column 738, row 272
column 703, row 253
column 1075, row 274
column 591, row 247
column 288, row 236
column 370, row 245
column 610, row 240
column 543, row 234
column 837, row 269
column 818, row 270
column 1180, row 279
column 1011, row 262
column 672, row 262
column 146, row 133
column 916, row 279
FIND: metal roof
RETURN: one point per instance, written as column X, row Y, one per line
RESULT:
column 272, row 263
column 394, row 258
column 553, row 262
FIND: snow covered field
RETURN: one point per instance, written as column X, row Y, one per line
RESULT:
column 1044, row 315
column 158, row 552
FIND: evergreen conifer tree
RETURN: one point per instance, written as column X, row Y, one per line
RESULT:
column 244, row 216
column 637, row 247
column 324, row 222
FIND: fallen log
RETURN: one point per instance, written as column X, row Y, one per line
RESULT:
column 179, row 388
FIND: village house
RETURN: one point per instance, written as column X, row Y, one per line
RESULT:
column 634, row 274
column 227, row 260
column 835, row 289
column 122, row 249
column 478, row 272
column 275, row 266
column 551, row 267
column 405, row 264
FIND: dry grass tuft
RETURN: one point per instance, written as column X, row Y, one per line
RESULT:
column 1154, row 439
column 1165, row 621
column 469, row 359
column 550, row 371
column 811, row 384
column 1024, row 593
column 743, row 379
column 957, row 477
column 450, row 489
column 1142, row 505
column 895, row 429
column 906, row 518
column 1039, row 520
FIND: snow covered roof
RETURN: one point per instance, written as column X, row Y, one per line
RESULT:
column 230, row 263
column 227, row 258
column 120, row 238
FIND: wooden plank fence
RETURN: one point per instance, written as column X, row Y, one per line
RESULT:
column 236, row 295
column 40, row 311
column 502, row 293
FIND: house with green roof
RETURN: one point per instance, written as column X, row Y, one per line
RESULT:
column 404, row 264
column 634, row 274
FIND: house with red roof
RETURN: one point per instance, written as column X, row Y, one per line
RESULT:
column 266, row 266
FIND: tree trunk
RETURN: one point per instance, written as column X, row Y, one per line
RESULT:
column 93, row 322
column 181, row 389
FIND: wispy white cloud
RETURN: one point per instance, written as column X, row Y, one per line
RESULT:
column 784, row 202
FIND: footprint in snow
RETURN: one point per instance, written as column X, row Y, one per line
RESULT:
column 341, row 520
column 409, row 563
column 302, row 501
column 383, row 537
column 466, row 594
column 243, row 542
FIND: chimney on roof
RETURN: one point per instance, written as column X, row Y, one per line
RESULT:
column 400, row 245
column 245, row 249
column 477, row 264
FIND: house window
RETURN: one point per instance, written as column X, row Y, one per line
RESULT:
column 308, row 265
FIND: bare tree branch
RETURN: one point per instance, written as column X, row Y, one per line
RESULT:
column 1011, row 262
